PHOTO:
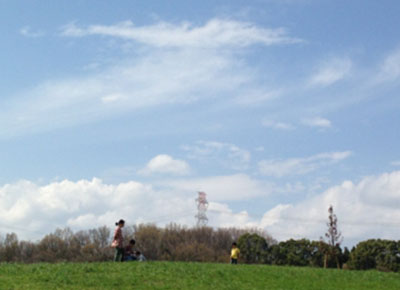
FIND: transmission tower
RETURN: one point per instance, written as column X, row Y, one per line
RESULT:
column 202, row 205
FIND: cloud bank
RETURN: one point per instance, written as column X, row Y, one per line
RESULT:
column 32, row 210
column 366, row 209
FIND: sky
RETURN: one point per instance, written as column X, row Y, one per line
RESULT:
column 276, row 109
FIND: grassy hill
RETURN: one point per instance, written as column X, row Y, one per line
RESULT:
column 168, row 275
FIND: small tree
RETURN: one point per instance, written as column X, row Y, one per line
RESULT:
column 333, row 239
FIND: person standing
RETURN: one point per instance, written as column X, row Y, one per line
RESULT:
column 118, row 241
column 235, row 252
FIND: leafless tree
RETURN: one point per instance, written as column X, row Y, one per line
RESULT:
column 333, row 239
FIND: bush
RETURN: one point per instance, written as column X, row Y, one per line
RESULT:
column 253, row 248
column 378, row 254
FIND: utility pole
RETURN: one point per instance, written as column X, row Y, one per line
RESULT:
column 202, row 205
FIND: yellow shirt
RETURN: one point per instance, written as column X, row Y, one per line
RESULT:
column 235, row 253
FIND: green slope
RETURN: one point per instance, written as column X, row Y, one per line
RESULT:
column 169, row 275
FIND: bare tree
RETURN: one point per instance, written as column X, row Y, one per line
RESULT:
column 333, row 239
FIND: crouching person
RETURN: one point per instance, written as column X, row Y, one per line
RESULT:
column 140, row 257
column 129, row 254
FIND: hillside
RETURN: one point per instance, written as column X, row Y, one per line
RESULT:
column 169, row 275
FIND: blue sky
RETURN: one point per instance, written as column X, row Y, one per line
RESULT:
column 276, row 109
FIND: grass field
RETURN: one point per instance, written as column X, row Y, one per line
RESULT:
column 168, row 275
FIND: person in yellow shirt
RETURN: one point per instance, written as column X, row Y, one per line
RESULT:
column 235, row 252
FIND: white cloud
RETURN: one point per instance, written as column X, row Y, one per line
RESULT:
column 277, row 125
column 331, row 72
column 311, row 122
column 299, row 166
column 113, row 98
column 317, row 122
column 183, row 73
column 226, row 154
column 167, row 165
column 256, row 97
column 213, row 34
column 28, row 32
column 32, row 210
column 367, row 209
column 222, row 216
column 259, row 149
column 180, row 77
column 395, row 163
column 390, row 68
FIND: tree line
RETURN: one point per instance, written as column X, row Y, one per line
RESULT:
column 171, row 243
column 377, row 254
column 383, row 255
column 201, row 244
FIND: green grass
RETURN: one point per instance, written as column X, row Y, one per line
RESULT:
column 169, row 275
